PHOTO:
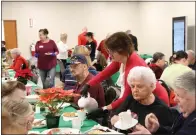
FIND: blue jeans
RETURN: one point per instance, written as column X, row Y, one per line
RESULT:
column 48, row 73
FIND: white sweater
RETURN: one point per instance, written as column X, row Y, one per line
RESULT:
column 63, row 50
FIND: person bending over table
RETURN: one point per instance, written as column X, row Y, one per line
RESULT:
column 79, row 69
column 142, row 81
column 46, row 51
column 17, row 116
column 120, row 48
column 19, row 62
column 185, row 123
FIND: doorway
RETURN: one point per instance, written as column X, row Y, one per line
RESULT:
column 10, row 33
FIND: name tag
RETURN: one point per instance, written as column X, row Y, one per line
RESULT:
column 41, row 46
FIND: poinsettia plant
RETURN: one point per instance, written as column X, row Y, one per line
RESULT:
column 54, row 98
column 23, row 75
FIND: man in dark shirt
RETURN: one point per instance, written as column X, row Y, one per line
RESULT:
column 92, row 44
column 79, row 69
column 191, row 59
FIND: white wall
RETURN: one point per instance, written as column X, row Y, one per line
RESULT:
column 70, row 17
column 151, row 22
column 156, row 25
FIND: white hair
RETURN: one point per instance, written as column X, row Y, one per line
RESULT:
column 142, row 73
column 191, row 52
column 186, row 81
column 15, row 51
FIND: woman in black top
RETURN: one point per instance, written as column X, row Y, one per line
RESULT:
column 142, row 81
column 91, row 44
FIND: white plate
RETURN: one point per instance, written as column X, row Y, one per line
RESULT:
column 69, row 118
column 63, row 131
column 32, row 98
column 64, row 105
column 103, row 128
column 40, row 126
column 34, row 132
column 128, row 125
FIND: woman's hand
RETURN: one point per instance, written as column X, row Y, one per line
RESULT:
column 114, row 119
column 139, row 129
column 152, row 123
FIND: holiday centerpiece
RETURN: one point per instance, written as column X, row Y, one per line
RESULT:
column 53, row 99
column 23, row 75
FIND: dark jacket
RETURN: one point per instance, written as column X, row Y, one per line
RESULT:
column 157, row 70
column 181, row 126
column 193, row 66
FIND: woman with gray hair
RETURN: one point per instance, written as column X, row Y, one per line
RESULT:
column 17, row 116
column 142, row 81
column 185, row 123
column 19, row 62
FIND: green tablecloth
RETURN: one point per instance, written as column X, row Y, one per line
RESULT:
column 29, row 83
column 88, row 124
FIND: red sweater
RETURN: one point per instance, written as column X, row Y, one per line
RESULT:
column 157, row 70
column 82, row 39
column 133, row 61
column 17, row 64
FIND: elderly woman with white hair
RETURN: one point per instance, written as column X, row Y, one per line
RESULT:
column 185, row 123
column 142, row 81
column 19, row 62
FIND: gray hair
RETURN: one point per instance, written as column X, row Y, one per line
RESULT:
column 142, row 73
column 191, row 52
column 16, row 51
column 186, row 81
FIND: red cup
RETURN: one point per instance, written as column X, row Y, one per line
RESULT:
column 28, row 90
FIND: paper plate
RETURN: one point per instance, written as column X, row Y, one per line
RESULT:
column 32, row 98
column 127, row 126
column 62, row 131
column 34, row 132
column 43, row 123
column 69, row 118
column 99, row 127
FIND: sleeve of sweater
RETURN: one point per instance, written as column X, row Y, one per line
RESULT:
column 105, row 74
column 124, row 106
column 119, row 101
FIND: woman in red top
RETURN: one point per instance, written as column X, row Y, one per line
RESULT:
column 121, row 49
column 158, row 64
column 19, row 62
column 46, row 51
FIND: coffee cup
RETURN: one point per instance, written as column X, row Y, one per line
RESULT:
column 81, row 114
column 77, row 123
column 125, row 118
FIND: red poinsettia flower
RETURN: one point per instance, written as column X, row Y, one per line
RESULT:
column 51, row 96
